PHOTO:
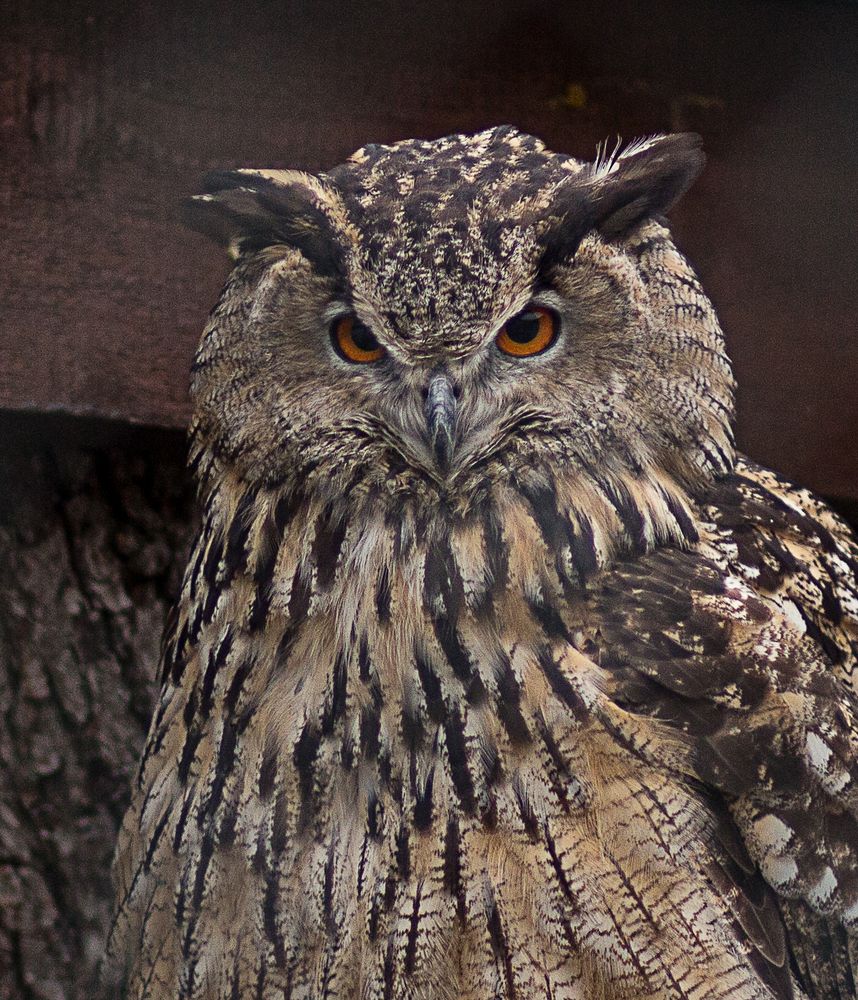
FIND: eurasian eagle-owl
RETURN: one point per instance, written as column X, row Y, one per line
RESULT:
column 496, row 672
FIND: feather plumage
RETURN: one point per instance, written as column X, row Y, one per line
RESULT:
column 574, row 719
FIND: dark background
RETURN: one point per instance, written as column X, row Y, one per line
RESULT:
column 108, row 118
column 110, row 113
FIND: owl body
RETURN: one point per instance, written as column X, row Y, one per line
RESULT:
column 495, row 672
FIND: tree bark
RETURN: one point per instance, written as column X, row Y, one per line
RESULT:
column 94, row 528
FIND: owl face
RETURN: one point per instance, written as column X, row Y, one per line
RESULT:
column 431, row 314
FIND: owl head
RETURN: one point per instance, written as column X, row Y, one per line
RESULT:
column 431, row 316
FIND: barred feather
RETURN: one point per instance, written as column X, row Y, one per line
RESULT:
column 577, row 720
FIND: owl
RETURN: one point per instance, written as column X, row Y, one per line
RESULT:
column 497, row 673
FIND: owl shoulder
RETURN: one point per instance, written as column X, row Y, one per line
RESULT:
column 792, row 550
column 745, row 646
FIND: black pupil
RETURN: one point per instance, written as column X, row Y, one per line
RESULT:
column 523, row 328
column 362, row 338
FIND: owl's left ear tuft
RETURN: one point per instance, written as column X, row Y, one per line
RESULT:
column 248, row 210
column 646, row 178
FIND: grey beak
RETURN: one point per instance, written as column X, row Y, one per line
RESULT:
column 441, row 419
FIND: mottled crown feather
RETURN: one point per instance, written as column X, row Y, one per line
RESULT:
column 248, row 209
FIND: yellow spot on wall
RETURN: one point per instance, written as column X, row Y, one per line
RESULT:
column 574, row 96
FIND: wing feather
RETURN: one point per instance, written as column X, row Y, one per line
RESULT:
column 748, row 646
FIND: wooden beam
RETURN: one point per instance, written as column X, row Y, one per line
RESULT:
column 108, row 118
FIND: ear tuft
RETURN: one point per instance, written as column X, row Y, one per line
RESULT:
column 247, row 210
column 646, row 178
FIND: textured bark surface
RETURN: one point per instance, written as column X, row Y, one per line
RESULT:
column 93, row 533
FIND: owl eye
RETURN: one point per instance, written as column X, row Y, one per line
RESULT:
column 530, row 332
column 354, row 342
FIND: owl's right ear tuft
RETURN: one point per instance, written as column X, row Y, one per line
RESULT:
column 645, row 178
column 619, row 190
column 248, row 210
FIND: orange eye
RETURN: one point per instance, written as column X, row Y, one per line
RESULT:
column 531, row 332
column 354, row 342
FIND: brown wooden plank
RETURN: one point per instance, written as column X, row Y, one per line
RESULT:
column 108, row 117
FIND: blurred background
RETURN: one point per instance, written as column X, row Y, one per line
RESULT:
column 109, row 114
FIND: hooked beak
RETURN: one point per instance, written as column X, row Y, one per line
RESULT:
column 441, row 420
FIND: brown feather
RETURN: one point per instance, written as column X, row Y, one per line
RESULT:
column 571, row 717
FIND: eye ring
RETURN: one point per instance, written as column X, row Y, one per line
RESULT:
column 529, row 333
column 354, row 341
